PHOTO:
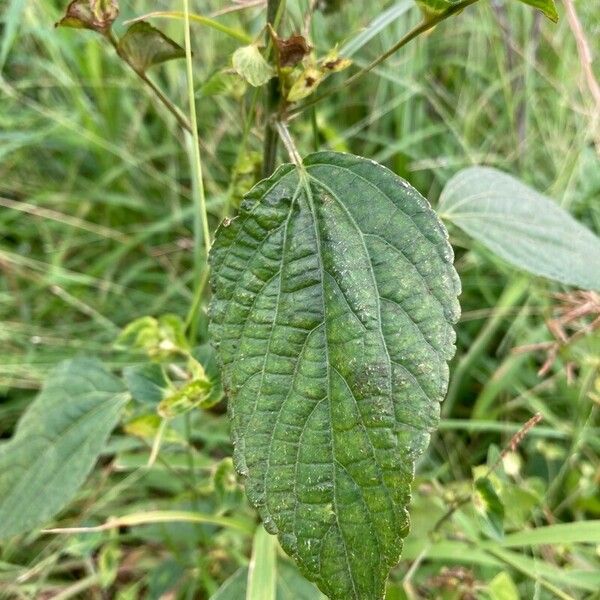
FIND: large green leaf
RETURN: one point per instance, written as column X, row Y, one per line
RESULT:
column 334, row 298
column 522, row 226
column 56, row 444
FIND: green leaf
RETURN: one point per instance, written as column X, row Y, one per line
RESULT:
column 548, row 7
column 522, row 226
column 146, row 383
column 145, row 46
column 489, row 506
column 433, row 8
column 250, row 64
column 502, row 587
column 97, row 15
column 262, row 572
column 334, row 298
column 56, row 443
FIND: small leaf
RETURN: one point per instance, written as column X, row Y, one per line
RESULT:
column 56, row 443
column 433, row 8
column 522, row 226
column 489, row 506
column 329, row 6
column 250, row 64
column 194, row 394
column 159, row 338
column 548, row 7
column 305, row 84
column 146, row 383
column 145, row 46
column 334, row 299
column 502, row 587
column 223, row 83
column 97, row 15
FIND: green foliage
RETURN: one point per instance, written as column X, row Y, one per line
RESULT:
column 522, row 226
column 56, row 444
column 334, row 340
column 262, row 572
column 145, row 46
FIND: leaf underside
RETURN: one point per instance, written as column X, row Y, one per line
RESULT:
column 334, row 299
column 522, row 226
column 56, row 443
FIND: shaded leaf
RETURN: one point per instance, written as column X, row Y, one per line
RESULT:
column 97, row 15
column 334, row 298
column 329, row 6
column 159, row 338
column 145, row 46
column 432, row 8
column 522, row 226
column 548, row 7
column 146, row 383
column 56, row 443
column 250, row 64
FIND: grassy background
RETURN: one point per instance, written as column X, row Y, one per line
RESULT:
column 97, row 221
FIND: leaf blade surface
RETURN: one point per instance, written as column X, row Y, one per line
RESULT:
column 334, row 301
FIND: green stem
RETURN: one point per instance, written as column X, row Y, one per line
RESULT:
column 416, row 31
column 179, row 116
column 271, row 101
column 200, row 229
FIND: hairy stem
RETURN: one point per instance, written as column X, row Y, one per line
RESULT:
column 271, row 101
column 416, row 31
column 179, row 116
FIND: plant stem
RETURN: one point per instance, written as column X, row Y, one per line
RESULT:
column 179, row 116
column 200, row 229
column 271, row 102
column 416, row 31
column 288, row 142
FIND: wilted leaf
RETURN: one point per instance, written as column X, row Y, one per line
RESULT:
column 522, row 226
column 145, row 46
column 56, row 443
column 97, row 15
column 292, row 50
column 334, row 298
column 548, row 7
column 250, row 64
column 334, row 63
column 305, row 84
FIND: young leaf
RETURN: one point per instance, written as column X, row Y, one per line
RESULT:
column 145, row 46
column 56, row 443
column 522, row 226
column 97, row 15
column 548, row 7
column 334, row 299
column 250, row 64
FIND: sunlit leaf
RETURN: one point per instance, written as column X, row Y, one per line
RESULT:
column 334, row 299
column 145, row 46
column 548, row 7
column 522, row 226
column 56, row 443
